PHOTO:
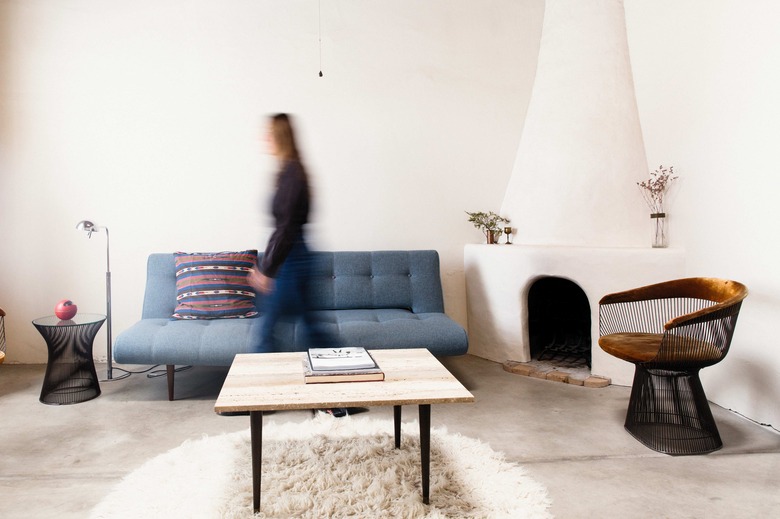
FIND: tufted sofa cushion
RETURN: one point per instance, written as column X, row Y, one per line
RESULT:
column 373, row 280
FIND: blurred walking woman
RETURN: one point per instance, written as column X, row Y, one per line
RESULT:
column 284, row 271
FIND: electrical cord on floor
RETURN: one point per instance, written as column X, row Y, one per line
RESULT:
column 151, row 372
column 755, row 421
column 120, row 377
column 126, row 373
column 163, row 372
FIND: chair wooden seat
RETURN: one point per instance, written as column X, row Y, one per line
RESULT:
column 632, row 347
column 670, row 331
column 644, row 347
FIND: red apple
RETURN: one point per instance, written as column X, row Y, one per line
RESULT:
column 65, row 309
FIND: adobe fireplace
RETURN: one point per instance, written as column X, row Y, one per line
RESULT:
column 500, row 277
column 572, row 196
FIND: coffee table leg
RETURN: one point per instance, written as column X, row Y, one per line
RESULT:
column 397, row 424
column 256, row 428
column 425, row 449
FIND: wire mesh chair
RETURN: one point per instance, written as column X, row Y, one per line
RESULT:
column 670, row 331
column 2, row 335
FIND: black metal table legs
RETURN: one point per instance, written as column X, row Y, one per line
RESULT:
column 425, row 444
column 425, row 449
column 256, row 432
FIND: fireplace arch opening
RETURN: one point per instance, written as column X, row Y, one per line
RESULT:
column 559, row 324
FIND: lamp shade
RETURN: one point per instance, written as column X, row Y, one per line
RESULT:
column 86, row 225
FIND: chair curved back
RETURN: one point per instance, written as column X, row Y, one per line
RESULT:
column 696, row 316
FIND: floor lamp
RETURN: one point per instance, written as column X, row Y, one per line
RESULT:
column 89, row 227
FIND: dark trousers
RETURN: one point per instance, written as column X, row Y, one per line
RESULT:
column 290, row 300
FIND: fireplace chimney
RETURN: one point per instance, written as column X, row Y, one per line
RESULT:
column 581, row 151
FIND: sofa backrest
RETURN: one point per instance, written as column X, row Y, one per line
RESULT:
column 378, row 279
column 342, row 280
column 160, row 292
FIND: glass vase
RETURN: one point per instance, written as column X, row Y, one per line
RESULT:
column 660, row 232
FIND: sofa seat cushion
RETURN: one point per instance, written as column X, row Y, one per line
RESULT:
column 216, row 342
column 383, row 329
column 197, row 342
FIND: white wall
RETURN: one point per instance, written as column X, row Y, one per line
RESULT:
column 145, row 116
column 707, row 78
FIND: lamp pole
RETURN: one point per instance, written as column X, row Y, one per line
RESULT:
column 89, row 227
column 109, row 352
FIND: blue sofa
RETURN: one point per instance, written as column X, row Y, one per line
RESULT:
column 379, row 299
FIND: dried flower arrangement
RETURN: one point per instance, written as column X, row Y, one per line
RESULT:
column 654, row 189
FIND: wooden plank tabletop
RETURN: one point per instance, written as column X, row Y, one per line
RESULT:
column 274, row 381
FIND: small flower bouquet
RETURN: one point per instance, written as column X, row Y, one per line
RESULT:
column 654, row 189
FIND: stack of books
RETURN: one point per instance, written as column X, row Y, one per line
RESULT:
column 322, row 365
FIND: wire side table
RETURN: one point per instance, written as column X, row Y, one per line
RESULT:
column 70, row 372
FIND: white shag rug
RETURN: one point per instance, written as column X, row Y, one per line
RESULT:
column 328, row 467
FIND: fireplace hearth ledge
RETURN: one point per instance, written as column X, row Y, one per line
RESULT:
column 545, row 371
column 498, row 278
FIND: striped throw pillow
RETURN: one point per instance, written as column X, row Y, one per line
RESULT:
column 213, row 285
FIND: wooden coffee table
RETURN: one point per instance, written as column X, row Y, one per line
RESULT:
column 274, row 382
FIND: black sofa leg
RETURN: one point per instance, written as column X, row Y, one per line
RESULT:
column 170, row 369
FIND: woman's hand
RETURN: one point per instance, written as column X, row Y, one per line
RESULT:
column 260, row 281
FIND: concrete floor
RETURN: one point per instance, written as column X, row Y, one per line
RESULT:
column 61, row 460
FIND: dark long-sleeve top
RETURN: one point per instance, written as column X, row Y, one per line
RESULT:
column 290, row 209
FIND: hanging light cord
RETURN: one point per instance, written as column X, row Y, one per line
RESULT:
column 319, row 21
